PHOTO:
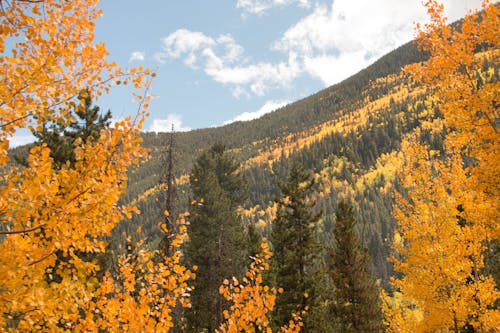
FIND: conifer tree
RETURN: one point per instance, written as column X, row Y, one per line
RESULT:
column 169, row 196
column 296, row 247
column 217, row 241
column 86, row 125
column 356, row 305
column 254, row 239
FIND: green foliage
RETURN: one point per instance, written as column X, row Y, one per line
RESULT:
column 359, row 150
column 60, row 139
column 355, row 307
column 254, row 240
column 217, row 244
column 86, row 125
column 296, row 247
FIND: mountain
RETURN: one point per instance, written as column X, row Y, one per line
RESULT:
column 349, row 134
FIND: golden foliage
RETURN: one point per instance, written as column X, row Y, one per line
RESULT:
column 252, row 300
column 451, row 212
column 146, row 296
column 48, row 55
column 344, row 124
column 441, row 258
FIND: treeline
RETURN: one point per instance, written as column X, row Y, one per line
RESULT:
column 248, row 137
column 359, row 149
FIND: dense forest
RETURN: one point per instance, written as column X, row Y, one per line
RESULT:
column 369, row 206
column 349, row 135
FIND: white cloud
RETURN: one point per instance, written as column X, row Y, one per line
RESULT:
column 165, row 125
column 332, row 69
column 159, row 57
column 336, row 41
column 223, row 60
column 21, row 140
column 331, row 43
column 259, row 7
column 239, row 91
column 268, row 107
column 137, row 56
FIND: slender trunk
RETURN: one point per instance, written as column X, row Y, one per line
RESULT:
column 169, row 199
column 219, row 314
column 455, row 323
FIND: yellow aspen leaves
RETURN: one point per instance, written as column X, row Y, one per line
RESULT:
column 48, row 215
column 161, row 286
column 252, row 301
column 450, row 213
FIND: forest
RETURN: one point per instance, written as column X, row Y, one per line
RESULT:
column 370, row 206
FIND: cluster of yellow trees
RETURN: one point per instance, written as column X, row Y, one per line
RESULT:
column 450, row 216
column 446, row 221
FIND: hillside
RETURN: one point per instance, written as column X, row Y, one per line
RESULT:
column 349, row 134
column 369, row 206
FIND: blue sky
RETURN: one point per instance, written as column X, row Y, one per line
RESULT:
column 223, row 60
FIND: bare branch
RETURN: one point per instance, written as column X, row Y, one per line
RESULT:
column 41, row 259
column 22, row 231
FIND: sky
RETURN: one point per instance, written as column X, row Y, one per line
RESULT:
column 221, row 61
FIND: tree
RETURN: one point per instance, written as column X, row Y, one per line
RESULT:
column 296, row 247
column 169, row 195
column 47, row 58
column 143, row 295
column 86, row 125
column 355, row 306
column 448, row 218
column 439, row 253
column 217, row 244
column 252, row 300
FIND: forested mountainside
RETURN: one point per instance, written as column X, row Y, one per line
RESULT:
column 287, row 216
column 349, row 135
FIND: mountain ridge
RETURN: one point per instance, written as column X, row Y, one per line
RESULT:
column 348, row 134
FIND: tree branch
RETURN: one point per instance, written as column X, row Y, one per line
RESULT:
column 22, row 231
column 41, row 259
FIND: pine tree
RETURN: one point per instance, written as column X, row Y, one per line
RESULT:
column 254, row 239
column 169, row 196
column 87, row 124
column 296, row 247
column 356, row 305
column 217, row 240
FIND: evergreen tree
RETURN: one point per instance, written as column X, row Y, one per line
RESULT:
column 86, row 125
column 217, row 240
column 356, row 306
column 296, row 248
column 254, row 239
column 169, row 196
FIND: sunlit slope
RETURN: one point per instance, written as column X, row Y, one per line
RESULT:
column 250, row 138
column 349, row 135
